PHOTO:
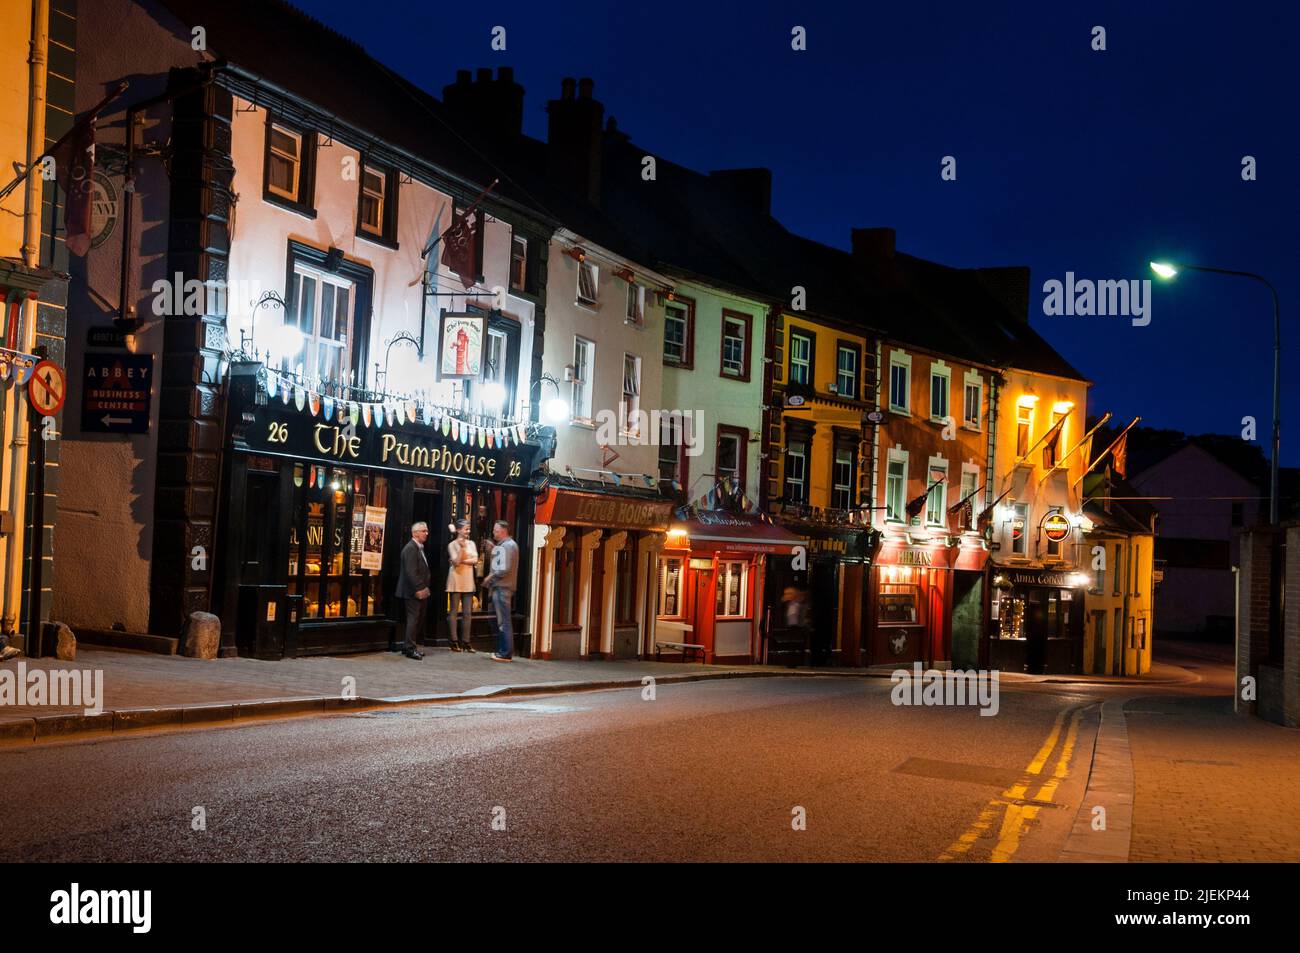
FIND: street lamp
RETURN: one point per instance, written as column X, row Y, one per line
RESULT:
column 1168, row 270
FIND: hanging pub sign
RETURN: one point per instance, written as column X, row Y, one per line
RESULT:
column 462, row 345
column 115, row 393
column 1056, row 527
column 277, row 428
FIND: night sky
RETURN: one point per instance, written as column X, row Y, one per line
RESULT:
column 1067, row 159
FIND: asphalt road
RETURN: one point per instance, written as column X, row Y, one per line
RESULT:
column 706, row 771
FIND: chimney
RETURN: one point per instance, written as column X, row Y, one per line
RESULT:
column 494, row 106
column 1010, row 286
column 573, row 138
column 752, row 188
column 873, row 246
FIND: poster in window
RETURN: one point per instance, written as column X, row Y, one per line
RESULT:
column 372, row 547
column 462, row 339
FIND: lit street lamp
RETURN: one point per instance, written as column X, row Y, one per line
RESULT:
column 1168, row 270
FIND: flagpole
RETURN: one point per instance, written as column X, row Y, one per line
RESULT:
column 77, row 127
column 1081, row 442
column 1102, row 456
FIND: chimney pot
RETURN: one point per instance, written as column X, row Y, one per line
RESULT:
column 506, row 74
column 585, row 86
column 485, row 74
column 566, row 87
column 464, row 77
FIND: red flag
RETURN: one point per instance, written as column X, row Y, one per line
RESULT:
column 458, row 246
column 1119, row 455
column 77, row 159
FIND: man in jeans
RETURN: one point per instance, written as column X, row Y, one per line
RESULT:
column 501, row 585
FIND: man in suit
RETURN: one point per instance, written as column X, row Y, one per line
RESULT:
column 413, row 588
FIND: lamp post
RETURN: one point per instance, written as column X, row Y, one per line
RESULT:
column 1168, row 270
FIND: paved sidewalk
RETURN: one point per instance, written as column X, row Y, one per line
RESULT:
column 1211, row 785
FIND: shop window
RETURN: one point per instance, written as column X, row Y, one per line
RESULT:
column 1009, row 613
column 334, row 557
column 670, row 587
column 678, row 333
column 900, row 382
column 584, row 358
column 733, row 577
column 846, row 371
column 801, row 358
column 565, row 604
column 735, row 345
column 625, row 584
column 899, row 601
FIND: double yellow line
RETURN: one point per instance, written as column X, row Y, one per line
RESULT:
column 1016, row 810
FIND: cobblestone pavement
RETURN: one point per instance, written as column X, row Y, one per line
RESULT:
column 1212, row 785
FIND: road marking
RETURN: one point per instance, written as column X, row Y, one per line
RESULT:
column 1017, row 809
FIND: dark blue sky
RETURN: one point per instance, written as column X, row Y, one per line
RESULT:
column 1067, row 159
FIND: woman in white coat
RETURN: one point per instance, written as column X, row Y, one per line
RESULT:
column 462, row 557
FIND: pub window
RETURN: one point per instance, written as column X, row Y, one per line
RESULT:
column 801, row 349
column 968, row 484
column 289, row 166
column 900, row 382
column 940, row 378
column 1018, row 529
column 630, row 406
column 321, row 307
column 731, row 457
column 842, row 479
column 588, row 283
column 733, row 576
column 565, row 611
column 735, row 345
column 936, row 500
column 584, row 357
column 635, row 303
column 518, row 263
column 678, row 333
column 846, row 372
column 625, row 584
column 1024, row 428
column 331, row 552
column 1009, row 611
column 796, row 472
column 896, row 490
column 899, row 603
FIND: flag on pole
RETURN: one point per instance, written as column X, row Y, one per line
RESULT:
column 458, row 245
column 76, row 163
column 1119, row 455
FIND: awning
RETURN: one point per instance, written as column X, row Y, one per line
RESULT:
column 716, row 532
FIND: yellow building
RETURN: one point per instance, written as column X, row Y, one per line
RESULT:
column 818, row 472
column 1119, row 604
column 37, row 104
